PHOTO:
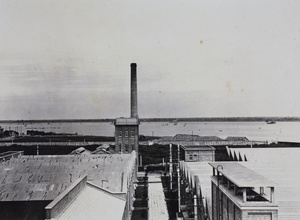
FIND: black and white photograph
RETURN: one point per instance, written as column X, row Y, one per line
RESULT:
column 149, row 110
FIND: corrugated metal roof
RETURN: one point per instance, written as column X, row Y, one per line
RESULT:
column 93, row 203
column 29, row 177
column 242, row 176
column 282, row 166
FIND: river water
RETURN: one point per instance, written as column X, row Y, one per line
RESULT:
column 259, row 131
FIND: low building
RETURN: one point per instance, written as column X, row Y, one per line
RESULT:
column 187, row 139
column 195, row 190
column 197, row 153
column 232, row 193
column 239, row 193
column 30, row 183
column 10, row 154
column 82, row 199
column 81, row 151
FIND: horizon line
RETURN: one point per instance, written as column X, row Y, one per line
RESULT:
column 254, row 118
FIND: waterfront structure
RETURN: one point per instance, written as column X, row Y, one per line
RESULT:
column 198, row 153
column 127, row 129
column 49, row 187
column 187, row 139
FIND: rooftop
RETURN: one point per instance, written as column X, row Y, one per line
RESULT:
column 282, row 166
column 201, row 170
column 197, row 147
column 242, row 176
column 127, row 121
column 10, row 153
column 184, row 137
column 230, row 138
column 45, row 177
column 87, row 206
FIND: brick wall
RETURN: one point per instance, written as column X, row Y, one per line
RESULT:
column 127, row 138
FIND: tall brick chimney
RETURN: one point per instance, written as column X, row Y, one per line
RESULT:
column 133, row 94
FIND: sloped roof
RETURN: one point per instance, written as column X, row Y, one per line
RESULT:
column 93, row 203
column 203, row 171
column 282, row 166
column 195, row 137
column 80, row 150
column 189, row 137
column 45, row 177
column 242, row 176
column 198, row 147
column 236, row 139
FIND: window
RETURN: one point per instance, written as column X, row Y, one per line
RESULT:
column 126, row 133
column 120, row 133
column 191, row 156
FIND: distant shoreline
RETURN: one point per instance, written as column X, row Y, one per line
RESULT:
column 192, row 119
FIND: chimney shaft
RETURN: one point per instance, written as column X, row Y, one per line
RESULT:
column 133, row 95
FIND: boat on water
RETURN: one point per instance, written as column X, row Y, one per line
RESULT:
column 270, row 122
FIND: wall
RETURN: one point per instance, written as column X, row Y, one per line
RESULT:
column 65, row 198
column 128, row 140
column 23, row 210
column 230, row 211
column 198, row 155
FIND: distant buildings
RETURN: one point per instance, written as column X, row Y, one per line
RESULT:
column 82, row 185
column 187, row 139
column 198, row 153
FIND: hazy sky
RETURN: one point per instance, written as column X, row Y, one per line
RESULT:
column 65, row 59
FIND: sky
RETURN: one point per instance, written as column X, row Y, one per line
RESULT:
column 66, row 59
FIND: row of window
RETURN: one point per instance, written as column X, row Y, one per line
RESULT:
column 191, row 156
column 126, row 133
